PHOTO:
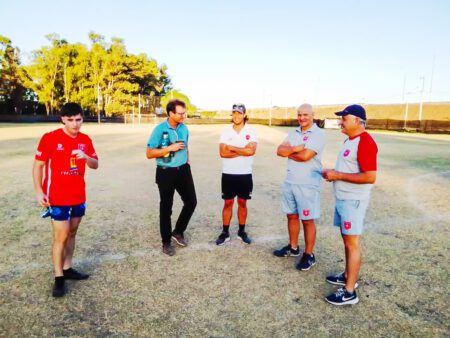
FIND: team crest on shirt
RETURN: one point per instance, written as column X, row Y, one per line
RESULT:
column 247, row 137
column 346, row 152
column 81, row 146
column 306, row 212
column 347, row 225
column 305, row 138
column 59, row 147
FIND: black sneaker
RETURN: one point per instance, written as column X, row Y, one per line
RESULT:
column 306, row 262
column 74, row 274
column 342, row 297
column 168, row 249
column 287, row 251
column 242, row 235
column 59, row 288
column 223, row 237
column 339, row 280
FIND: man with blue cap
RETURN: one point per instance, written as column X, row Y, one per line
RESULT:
column 353, row 179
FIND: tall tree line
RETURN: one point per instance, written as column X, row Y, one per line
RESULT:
column 102, row 75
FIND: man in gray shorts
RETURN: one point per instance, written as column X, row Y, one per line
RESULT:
column 353, row 179
column 301, row 189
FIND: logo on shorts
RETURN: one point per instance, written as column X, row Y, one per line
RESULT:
column 305, row 212
column 346, row 152
column 305, row 138
column 38, row 153
column 347, row 225
column 247, row 137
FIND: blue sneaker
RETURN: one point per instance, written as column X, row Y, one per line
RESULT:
column 342, row 297
column 242, row 235
column 223, row 237
column 306, row 262
column 339, row 280
column 287, row 251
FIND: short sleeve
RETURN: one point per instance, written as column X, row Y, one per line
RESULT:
column 43, row 149
column 253, row 135
column 155, row 138
column 367, row 153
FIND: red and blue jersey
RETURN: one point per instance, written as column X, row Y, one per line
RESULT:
column 64, row 173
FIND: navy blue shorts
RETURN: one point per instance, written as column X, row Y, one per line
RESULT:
column 65, row 212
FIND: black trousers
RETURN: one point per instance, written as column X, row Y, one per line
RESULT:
column 169, row 180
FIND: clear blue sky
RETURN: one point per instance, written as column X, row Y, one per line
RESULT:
column 262, row 52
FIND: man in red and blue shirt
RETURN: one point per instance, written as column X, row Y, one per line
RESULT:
column 58, row 176
column 353, row 179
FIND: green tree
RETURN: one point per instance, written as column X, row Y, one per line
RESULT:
column 11, row 86
column 42, row 73
column 174, row 94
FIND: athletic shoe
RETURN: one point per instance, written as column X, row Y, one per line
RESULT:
column 59, row 288
column 342, row 297
column 223, row 237
column 74, row 274
column 242, row 235
column 339, row 280
column 287, row 251
column 168, row 249
column 306, row 262
column 179, row 239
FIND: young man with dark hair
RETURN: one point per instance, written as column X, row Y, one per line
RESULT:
column 168, row 144
column 237, row 147
column 58, row 177
column 353, row 179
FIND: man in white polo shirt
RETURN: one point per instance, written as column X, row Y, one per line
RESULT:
column 237, row 147
column 301, row 189
column 353, row 179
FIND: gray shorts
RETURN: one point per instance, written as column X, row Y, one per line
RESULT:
column 349, row 216
column 303, row 200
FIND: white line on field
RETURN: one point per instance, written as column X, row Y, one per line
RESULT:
column 118, row 256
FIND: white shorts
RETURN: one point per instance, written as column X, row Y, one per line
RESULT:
column 303, row 200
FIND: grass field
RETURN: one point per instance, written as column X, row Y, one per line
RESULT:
column 234, row 290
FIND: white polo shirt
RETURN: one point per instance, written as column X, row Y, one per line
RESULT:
column 240, row 165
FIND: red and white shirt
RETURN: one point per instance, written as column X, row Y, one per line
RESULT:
column 357, row 155
column 64, row 173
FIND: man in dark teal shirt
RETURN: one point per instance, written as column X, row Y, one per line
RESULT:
column 168, row 143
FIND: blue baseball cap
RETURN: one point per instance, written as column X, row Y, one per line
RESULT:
column 239, row 107
column 355, row 110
